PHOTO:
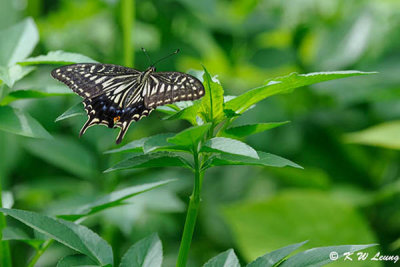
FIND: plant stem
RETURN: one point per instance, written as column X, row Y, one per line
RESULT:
column 5, row 256
column 192, row 212
column 39, row 252
column 128, row 19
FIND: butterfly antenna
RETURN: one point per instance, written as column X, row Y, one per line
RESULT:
column 147, row 55
column 174, row 53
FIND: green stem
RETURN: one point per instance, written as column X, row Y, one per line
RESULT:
column 192, row 212
column 39, row 253
column 128, row 19
column 5, row 255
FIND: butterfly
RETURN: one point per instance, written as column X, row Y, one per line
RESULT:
column 116, row 96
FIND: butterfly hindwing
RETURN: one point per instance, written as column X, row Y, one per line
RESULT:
column 168, row 87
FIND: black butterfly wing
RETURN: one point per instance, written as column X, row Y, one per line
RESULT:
column 168, row 87
column 90, row 80
column 106, row 89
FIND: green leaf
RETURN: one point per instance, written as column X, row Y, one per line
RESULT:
column 211, row 104
column 188, row 114
column 157, row 159
column 13, row 74
column 153, row 143
column 231, row 146
column 57, row 57
column 25, row 94
column 76, row 261
column 320, row 256
column 224, row 259
column 66, row 153
column 284, row 84
column 190, row 137
column 18, row 42
column 110, row 200
column 157, row 141
column 274, row 257
column 265, row 159
column 145, row 253
column 385, row 135
column 175, row 107
column 294, row 215
column 249, row 129
column 134, row 146
column 73, row 111
column 16, row 121
column 77, row 237
column 12, row 233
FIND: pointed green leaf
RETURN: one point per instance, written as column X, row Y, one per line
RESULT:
column 145, row 253
column 321, row 256
column 231, row 146
column 284, row 84
column 18, row 42
column 224, row 259
column 157, row 159
column 76, row 261
column 16, row 121
column 57, row 57
column 385, row 135
column 66, row 153
column 274, row 257
column 265, row 159
column 77, row 237
column 249, row 129
column 211, row 104
column 110, row 200
column 10, row 75
column 73, row 111
column 191, row 136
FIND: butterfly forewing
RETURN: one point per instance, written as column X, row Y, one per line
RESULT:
column 168, row 87
column 115, row 96
column 90, row 80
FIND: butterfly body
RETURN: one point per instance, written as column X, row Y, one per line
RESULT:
column 115, row 95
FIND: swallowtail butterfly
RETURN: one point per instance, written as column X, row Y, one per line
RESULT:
column 115, row 95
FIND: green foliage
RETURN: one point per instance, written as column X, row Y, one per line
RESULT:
column 16, row 121
column 320, row 256
column 249, row 129
column 227, row 258
column 262, row 222
column 76, row 260
column 110, row 200
column 383, row 135
column 74, row 236
column 244, row 48
column 274, row 257
column 145, row 253
column 230, row 146
column 65, row 153
column 19, row 43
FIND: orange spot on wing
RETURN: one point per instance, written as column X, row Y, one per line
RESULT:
column 116, row 119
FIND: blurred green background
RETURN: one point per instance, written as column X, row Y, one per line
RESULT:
column 344, row 133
